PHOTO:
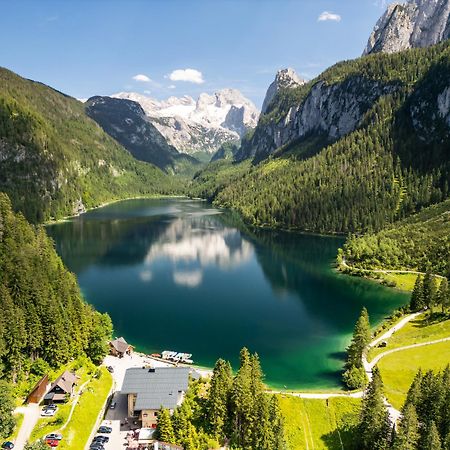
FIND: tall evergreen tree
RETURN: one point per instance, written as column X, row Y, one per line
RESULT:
column 164, row 429
column 7, row 421
column 374, row 428
column 443, row 296
column 432, row 441
column 417, row 301
column 219, row 398
column 407, row 436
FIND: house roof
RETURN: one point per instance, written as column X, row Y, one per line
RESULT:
column 162, row 386
column 65, row 381
column 120, row 344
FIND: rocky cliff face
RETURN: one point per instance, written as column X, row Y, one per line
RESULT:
column 417, row 23
column 126, row 122
column 199, row 125
column 285, row 78
column 328, row 111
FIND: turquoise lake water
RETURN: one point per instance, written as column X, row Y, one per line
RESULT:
column 177, row 274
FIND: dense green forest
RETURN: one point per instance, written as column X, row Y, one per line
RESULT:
column 44, row 320
column 230, row 410
column 52, row 156
column 388, row 168
column 420, row 242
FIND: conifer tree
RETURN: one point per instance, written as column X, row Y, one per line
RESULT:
column 417, row 301
column 277, row 424
column 374, row 428
column 407, row 436
column 219, row 398
column 355, row 376
column 443, row 296
column 7, row 421
column 164, row 429
column 432, row 441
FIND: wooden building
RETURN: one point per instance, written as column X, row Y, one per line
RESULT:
column 38, row 391
column 120, row 347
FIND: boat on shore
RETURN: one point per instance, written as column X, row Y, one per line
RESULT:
column 177, row 357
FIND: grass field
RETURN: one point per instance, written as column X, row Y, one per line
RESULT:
column 89, row 405
column 86, row 412
column 399, row 369
column 419, row 330
column 403, row 281
column 318, row 424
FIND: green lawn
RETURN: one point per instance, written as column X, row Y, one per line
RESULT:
column 399, row 369
column 419, row 330
column 403, row 281
column 77, row 432
column 312, row 424
column 86, row 412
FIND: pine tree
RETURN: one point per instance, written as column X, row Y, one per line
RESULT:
column 432, row 441
column 443, row 296
column 7, row 421
column 164, row 429
column 417, row 301
column 414, row 394
column 407, row 436
column 219, row 398
column 277, row 424
column 374, row 428
column 355, row 376
column 445, row 409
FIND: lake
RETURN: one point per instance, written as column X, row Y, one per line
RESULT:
column 178, row 274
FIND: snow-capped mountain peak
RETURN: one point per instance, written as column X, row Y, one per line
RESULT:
column 199, row 125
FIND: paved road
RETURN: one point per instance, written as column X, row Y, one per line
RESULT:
column 31, row 414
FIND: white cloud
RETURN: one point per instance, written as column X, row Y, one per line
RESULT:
column 325, row 16
column 142, row 77
column 172, row 86
column 190, row 75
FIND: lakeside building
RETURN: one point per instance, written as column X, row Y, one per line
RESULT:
column 149, row 389
column 120, row 347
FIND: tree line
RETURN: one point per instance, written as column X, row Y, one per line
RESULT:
column 232, row 410
column 44, row 322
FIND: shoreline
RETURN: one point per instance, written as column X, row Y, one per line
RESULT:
column 109, row 202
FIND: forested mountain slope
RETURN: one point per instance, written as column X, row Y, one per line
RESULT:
column 56, row 161
column 396, row 161
column 420, row 242
column 43, row 313
column 126, row 122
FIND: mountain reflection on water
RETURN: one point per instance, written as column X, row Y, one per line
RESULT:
column 179, row 274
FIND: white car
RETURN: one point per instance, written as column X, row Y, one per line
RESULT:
column 48, row 412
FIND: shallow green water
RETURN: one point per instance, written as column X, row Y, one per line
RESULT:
column 180, row 275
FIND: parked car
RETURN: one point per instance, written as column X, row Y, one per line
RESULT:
column 113, row 405
column 103, row 439
column 56, row 436
column 51, row 406
column 110, row 369
column 52, row 442
column 96, row 446
column 104, row 429
column 48, row 412
column 8, row 445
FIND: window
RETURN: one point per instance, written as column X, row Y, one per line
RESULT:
column 156, row 413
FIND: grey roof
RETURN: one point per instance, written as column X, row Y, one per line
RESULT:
column 120, row 344
column 162, row 386
column 65, row 381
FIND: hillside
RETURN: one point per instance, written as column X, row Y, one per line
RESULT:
column 393, row 163
column 417, row 243
column 126, row 122
column 43, row 313
column 55, row 161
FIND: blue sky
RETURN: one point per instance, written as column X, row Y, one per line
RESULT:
column 96, row 47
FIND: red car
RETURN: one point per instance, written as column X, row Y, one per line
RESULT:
column 52, row 442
